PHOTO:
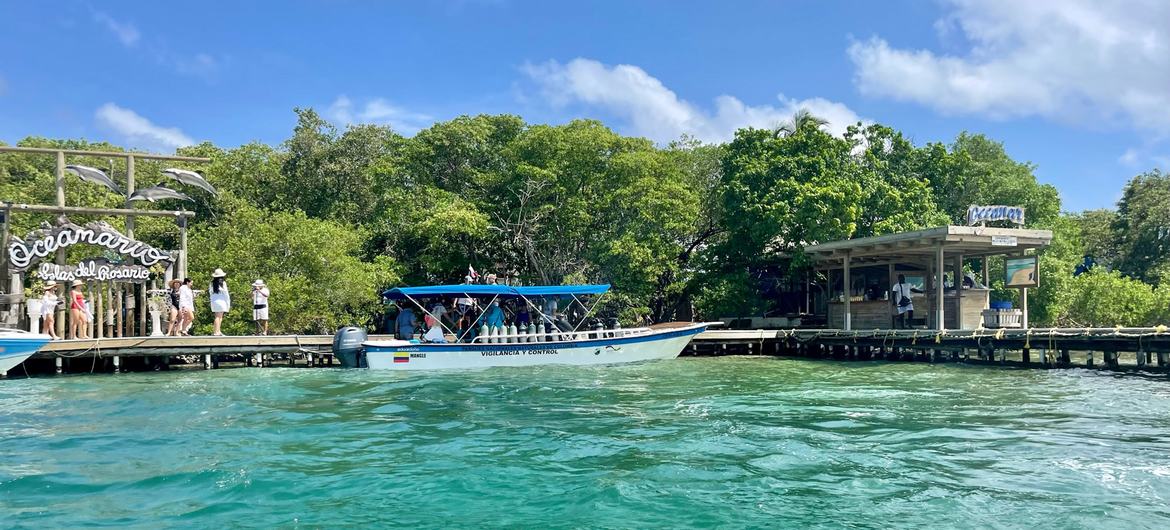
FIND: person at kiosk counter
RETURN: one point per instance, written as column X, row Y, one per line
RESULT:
column 903, row 301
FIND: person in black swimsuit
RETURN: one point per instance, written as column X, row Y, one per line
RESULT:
column 173, row 304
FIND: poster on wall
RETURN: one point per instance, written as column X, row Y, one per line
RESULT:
column 1021, row 272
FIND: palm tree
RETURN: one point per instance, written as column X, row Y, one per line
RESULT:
column 800, row 119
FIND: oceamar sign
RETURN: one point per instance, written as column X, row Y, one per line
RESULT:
column 43, row 243
column 983, row 214
column 94, row 270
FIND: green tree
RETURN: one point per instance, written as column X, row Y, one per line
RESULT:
column 1142, row 227
column 312, row 267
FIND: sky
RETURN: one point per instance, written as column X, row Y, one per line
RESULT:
column 1079, row 88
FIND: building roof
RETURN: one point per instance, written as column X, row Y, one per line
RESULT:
column 920, row 245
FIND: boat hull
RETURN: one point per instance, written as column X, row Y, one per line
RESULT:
column 16, row 347
column 400, row 355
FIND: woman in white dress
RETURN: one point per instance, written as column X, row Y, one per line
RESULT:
column 186, row 307
column 49, row 310
column 220, row 298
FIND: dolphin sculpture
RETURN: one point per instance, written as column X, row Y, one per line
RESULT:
column 155, row 193
column 190, row 178
column 94, row 175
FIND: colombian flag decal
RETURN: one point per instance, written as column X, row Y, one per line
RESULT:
column 401, row 357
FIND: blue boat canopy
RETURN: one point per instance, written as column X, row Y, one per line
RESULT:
column 503, row 291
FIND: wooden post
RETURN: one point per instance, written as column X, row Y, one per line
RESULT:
column 848, row 293
column 7, row 213
column 99, row 317
column 1065, row 357
column 1111, row 358
column 940, row 264
column 986, row 274
column 1025, row 356
column 958, row 281
column 118, row 301
column 182, row 247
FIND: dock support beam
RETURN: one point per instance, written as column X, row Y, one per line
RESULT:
column 848, row 321
column 939, row 302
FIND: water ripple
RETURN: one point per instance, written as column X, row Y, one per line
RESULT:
column 730, row 442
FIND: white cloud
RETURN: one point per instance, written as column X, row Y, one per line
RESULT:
column 201, row 65
column 653, row 110
column 377, row 111
column 1068, row 60
column 140, row 131
column 125, row 31
column 1129, row 157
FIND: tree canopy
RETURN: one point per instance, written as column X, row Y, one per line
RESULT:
column 331, row 217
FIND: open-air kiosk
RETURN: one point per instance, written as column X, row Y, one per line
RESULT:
column 862, row 272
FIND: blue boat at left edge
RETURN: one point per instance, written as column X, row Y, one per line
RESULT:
column 16, row 346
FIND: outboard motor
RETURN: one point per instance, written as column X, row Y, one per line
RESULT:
column 347, row 347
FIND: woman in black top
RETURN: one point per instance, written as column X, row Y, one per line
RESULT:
column 173, row 305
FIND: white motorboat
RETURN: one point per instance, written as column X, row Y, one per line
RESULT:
column 17, row 345
column 545, row 340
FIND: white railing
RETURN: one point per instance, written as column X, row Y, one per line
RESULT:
column 559, row 336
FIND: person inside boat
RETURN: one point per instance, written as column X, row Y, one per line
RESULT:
column 435, row 334
column 465, row 330
column 405, row 323
column 494, row 316
column 549, row 308
column 522, row 317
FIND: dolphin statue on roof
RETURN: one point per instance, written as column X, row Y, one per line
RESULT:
column 155, row 193
column 190, row 178
column 94, row 175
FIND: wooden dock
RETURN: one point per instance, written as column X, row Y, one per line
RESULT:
column 1121, row 349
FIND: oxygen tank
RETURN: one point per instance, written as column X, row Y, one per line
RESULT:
column 531, row 332
column 512, row 332
column 485, row 333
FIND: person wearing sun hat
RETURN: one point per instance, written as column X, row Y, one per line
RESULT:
column 260, row 295
column 49, row 310
column 220, row 299
column 79, row 326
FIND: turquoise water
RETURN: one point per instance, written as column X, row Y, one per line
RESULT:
column 727, row 442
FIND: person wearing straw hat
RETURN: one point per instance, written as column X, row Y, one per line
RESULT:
column 49, row 310
column 260, row 296
column 220, row 298
column 79, row 326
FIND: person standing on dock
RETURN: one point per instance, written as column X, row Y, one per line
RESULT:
column 174, row 324
column 260, row 294
column 49, row 310
column 902, row 300
column 79, row 326
column 221, row 299
column 186, row 307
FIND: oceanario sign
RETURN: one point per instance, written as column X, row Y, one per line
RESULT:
column 40, row 244
column 982, row 214
column 94, row 269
